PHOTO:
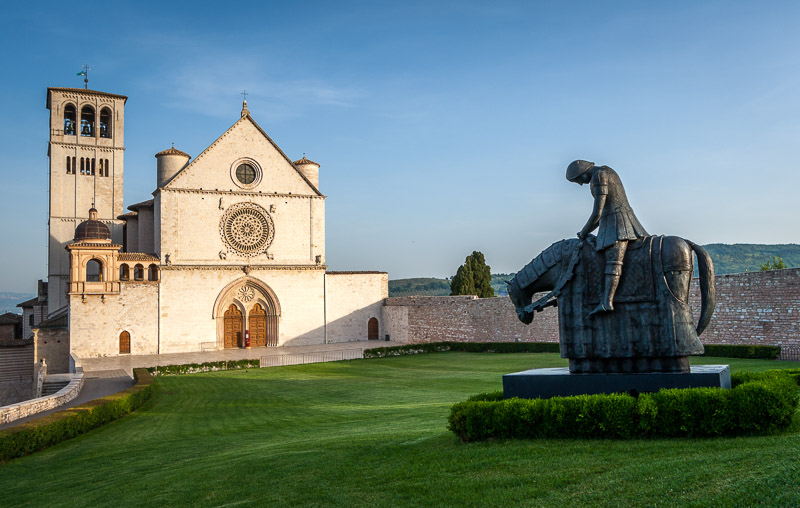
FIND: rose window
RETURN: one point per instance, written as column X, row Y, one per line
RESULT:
column 246, row 293
column 247, row 229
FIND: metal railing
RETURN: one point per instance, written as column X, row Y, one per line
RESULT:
column 790, row 353
column 311, row 357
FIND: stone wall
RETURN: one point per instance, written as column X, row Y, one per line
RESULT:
column 30, row 407
column 96, row 322
column 464, row 318
column 752, row 308
column 52, row 345
column 352, row 299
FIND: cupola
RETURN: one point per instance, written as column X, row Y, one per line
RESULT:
column 92, row 229
column 309, row 169
column 170, row 162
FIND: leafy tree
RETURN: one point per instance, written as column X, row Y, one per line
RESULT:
column 776, row 263
column 474, row 277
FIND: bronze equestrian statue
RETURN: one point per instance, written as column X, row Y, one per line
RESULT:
column 635, row 319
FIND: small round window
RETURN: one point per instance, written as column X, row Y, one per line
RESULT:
column 246, row 174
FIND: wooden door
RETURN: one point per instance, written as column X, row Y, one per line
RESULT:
column 124, row 343
column 257, row 320
column 372, row 329
column 233, row 327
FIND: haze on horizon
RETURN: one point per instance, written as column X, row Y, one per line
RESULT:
column 441, row 127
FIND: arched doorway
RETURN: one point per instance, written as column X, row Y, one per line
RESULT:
column 124, row 343
column 233, row 327
column 256, row 306
column 372, row 329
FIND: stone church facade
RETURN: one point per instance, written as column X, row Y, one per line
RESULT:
column 228, row 253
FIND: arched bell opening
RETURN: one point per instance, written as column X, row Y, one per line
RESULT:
column 87, row 121
column 70, row 116
column 105, row 123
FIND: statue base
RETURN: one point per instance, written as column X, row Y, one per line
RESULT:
column 560, row 382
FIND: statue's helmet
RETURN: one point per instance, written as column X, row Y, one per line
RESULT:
column 577, row 168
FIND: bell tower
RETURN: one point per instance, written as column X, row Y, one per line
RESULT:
column 86, row 152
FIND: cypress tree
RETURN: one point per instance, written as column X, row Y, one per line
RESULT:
column 474, row 277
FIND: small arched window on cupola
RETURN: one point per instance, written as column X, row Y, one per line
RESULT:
column 87, row 121
column 138, row 272
column 105, row 123
column 94, row 271
column 69, row 120
column 124, row 272
column 152, row 273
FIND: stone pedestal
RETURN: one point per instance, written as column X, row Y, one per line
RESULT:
column 559, row 382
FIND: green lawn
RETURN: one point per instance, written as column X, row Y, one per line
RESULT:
column 372, row 432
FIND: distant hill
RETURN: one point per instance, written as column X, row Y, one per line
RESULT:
column 9, row 301
column 736, row 258
column 748, row 257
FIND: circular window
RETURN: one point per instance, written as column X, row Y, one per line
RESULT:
column 247, row 229
column 246, row 174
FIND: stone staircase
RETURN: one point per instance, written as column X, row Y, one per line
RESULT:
column 16, row 363
column 51, row 387
column 54, row 383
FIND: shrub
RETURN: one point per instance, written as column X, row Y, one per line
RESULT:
column 731, row 351
column 469, row 347
column 191, row 368
column 758, row 403
column 54, row 428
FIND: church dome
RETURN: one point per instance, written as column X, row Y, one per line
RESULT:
column 92, row 229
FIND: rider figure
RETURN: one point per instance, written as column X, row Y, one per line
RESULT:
column 613, row 217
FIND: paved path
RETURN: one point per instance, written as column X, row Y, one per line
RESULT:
column 104, row 376
column 130, row 362
column 96, row 384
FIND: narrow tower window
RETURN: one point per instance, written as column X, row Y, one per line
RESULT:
column 82, row 170
column 87, row 121
column 93, row 165
column 74, row 162
column 105, row 123
column 69, row 120
column 106, row 167
column 69, row 164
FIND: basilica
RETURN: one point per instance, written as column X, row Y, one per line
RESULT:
column 228, row 252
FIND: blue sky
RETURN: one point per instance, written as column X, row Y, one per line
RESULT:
column 441, row 127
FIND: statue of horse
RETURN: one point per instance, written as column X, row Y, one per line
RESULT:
column 651, row 328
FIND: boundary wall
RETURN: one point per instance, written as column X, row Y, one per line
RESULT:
column 753, row 308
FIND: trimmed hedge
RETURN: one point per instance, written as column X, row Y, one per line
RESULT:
column 191, row 368
column 468, row 347
column 730, row 351
column 757, row 403
column 59, row 426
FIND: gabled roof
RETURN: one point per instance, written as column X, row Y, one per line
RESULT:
column 143, row 204
column 245, row 118
column 29, row 303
